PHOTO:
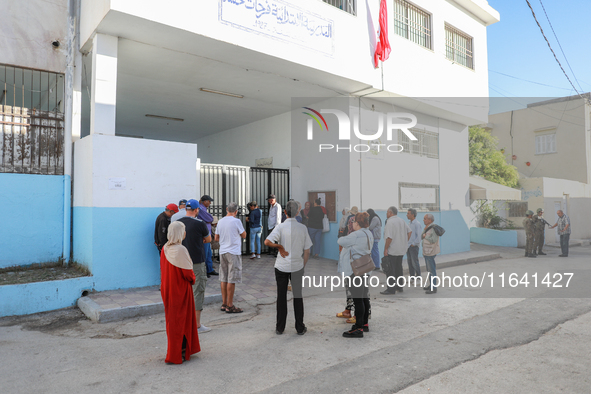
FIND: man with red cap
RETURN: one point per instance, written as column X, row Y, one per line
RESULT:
column 162, row 223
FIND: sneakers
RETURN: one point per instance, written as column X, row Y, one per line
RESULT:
column 203, row 329
column 353, row 334
column 365, row 327
column 258, row 256
column 214, row 273
column 305, row 330
column 252, row 256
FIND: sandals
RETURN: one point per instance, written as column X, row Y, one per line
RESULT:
column 233, row 309
column 352, row 320
column 224, row 308
column 346, row 314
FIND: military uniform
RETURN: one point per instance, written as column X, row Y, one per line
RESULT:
column 528, row 225
column 539, row 229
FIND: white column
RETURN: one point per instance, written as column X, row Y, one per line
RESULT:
column 104, row 85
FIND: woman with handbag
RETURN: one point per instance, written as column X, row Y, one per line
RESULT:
column 356, row 263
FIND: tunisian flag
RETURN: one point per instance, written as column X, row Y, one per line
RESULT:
column 383, row 47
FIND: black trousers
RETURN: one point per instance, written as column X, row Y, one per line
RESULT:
column 360, row 292
column 298, row 302
column 395, row 272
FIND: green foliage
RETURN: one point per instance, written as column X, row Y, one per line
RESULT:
column 488, row 216
column 489, row 162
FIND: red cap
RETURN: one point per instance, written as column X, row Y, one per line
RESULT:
column 172, row 207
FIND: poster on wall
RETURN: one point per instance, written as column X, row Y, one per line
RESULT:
column 418, row 195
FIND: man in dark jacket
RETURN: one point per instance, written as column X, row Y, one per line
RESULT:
column 162, row 223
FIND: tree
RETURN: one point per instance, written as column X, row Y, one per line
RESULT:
column 489, row 162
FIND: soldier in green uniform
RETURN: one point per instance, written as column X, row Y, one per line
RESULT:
column 539, row 228
column 528, row 225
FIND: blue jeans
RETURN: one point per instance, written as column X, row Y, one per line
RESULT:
column 255, row 233
column 315, row 236
column 375, row 254
column 208, row 255
column 564, row 238
column 412, row 258
column 430, row 263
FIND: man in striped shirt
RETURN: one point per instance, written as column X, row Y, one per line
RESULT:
column 563, row 224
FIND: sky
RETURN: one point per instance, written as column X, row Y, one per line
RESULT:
column 517, row 48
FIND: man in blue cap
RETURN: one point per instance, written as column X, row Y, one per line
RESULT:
column 204, row 203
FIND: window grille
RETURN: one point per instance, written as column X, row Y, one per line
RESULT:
column 427, row 143
column 418, row 204
column 412, row 23
column 458, row 47
column 545, row 144
column 345, row 5
column 517, row 208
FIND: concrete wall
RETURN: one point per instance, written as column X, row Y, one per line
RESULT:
column 351, row 40
column 33, row 210
column 565, row 118
column 27, row 30
column 114, row 228
column 487, row 236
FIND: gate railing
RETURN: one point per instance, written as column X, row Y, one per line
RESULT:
column 228, row 183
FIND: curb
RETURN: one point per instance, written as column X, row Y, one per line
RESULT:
column 94, row 312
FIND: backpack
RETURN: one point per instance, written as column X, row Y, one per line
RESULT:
column 438, row 230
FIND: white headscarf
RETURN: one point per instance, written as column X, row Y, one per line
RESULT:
column 174, row 251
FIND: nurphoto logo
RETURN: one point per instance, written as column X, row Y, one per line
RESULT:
column 394, row 121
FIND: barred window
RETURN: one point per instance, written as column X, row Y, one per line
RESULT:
column 458, row 47
column 420, row 196
column 427, row 143
column 345, row 5
column 412, row 23
column 517, row 208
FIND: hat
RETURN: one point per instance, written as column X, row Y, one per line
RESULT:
column 182, row 202
column 192, row 204
column 205, row 197
column 354, row 210
column 271, row 196
column 539, row 210
column 172, row 207
column 529, row 212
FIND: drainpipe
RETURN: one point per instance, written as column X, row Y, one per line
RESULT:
column 69, row 108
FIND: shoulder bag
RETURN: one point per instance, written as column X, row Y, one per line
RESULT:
column 364, row 264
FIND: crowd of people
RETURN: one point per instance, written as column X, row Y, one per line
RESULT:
column 535, row 227
column 184, row 233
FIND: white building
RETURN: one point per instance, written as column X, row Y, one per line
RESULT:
column 145, row 87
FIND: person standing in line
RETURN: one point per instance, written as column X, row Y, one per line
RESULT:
column 207, row 218
column 528, row 225
column 293, row 243
column 181, row 213
column 397, row 233
column 564, row 231
column 315, row 217
column 539, row 229
column 430, row 250
column 229, row 234
column 355, row 245
column 274, row 217
column 177, row 277
column 197, row 236
column 305, row 213
column 375, row 226
column 254, row 222
column 412, row 255
column 161, row 226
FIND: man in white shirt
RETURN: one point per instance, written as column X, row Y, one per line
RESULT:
column 274, row 216
column 229, row 234
column 182, row 211
column 397, row 234
column 293, row 242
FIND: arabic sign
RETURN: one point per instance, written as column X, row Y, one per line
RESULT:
column 280, row 20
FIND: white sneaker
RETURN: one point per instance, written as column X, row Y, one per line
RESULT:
column 258, row 256
column 252, row 256
column 203, row 329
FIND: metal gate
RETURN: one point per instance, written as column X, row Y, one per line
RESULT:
column 226, row 183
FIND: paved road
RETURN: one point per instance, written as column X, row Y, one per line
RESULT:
column 461, row 340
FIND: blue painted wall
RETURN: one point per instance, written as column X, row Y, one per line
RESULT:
column 455, row 240
column 117, row 245
column 42, row 296
column 487, row 236
column 32, row 212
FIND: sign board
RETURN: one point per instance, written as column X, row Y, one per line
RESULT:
column 418, row 195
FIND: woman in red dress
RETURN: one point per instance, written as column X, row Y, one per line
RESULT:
column 177, row 278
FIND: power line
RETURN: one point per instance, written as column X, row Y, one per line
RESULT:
column 552, row 50
column 527, row 80
column 559, row 45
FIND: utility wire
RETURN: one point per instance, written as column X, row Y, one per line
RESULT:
column 552, row 50
column 527, row 80
column 559, row 45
